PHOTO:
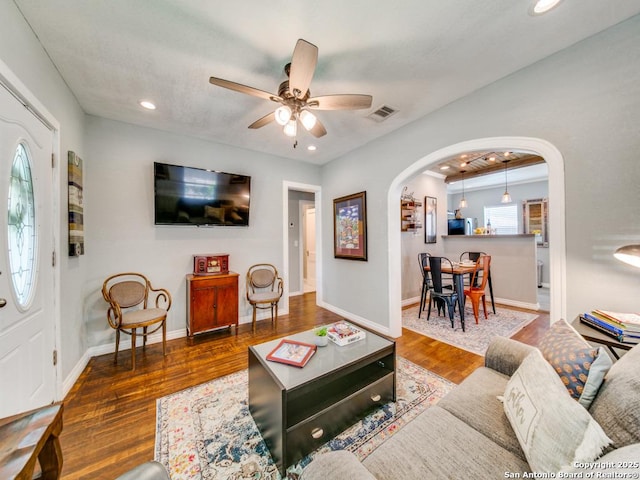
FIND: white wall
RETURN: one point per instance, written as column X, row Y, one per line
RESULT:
column 119, row 225
column 412, row 244
column 585, row 101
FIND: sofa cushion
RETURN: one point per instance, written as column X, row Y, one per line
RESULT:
column 475, row 402
column 617, row 406
column 553, row 430
column 337, row 464
column 580, row 366
column 438, row 445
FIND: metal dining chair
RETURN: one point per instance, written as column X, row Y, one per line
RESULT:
column 423, row 260
column 477, row 293
column 440, row 295
column 474, row 256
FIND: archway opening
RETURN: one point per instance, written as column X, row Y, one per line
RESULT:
column 557, row 236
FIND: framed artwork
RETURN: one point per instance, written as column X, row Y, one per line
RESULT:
column 292, row 352
column 350, row 227
column 76, row 208
column 430, row 219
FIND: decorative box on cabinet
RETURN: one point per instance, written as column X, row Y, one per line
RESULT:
column 212, row 302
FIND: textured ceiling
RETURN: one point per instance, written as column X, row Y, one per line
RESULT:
column 413, row 55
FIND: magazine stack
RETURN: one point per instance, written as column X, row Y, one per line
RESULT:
column 343, row 333
column 625, row 327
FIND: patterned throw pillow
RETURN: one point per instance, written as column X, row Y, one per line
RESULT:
column 580, row 366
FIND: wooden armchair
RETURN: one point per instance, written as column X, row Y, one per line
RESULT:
column 264, row 289
column 133, row 304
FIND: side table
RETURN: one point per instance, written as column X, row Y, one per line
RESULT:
column 596, row 336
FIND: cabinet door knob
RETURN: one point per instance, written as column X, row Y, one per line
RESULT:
column 317, row 433
column 3, row 302
column 375, row 397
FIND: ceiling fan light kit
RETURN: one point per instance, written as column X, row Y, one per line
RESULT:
column 295, row 97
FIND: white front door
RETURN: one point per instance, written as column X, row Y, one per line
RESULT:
column 27, row 339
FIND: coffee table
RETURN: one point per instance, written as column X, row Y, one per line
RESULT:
column 299, row 409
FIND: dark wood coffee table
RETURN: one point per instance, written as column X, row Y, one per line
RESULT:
column 299, row 409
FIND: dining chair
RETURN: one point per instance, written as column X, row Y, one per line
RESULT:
column 134, row 304
column 423, row 260
column 477, row 293
column 264, row 289
column 474, row 256
column 440, row 295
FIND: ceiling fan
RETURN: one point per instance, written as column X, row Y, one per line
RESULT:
column 295, row 98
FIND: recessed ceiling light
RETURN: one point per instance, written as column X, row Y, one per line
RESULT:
column 444, row 167
column 492, row 159
column 463, row 164
column 147, row 104
column 464, row 155
column 543, row 6
column 312, row 148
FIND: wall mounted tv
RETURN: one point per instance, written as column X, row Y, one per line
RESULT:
column 195, row 196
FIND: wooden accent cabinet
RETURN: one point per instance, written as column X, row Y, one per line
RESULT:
column 212, row 302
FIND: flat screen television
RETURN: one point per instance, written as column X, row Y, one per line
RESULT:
column 196, row 196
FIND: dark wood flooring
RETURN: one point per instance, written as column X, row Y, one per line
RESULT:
column 109, row 414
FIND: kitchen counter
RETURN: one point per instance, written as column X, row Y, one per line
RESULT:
column 513, row 264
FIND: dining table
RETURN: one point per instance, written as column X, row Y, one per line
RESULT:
column 459, row 270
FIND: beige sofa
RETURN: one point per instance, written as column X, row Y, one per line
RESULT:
column 468, row 435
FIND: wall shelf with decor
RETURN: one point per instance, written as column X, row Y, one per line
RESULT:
column 410, row 212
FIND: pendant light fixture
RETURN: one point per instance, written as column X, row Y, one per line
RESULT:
column 506, row 198
column 463, row 200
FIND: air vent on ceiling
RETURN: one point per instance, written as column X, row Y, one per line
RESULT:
column 382, row 113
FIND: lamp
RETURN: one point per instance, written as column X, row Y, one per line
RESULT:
column 463, row 200
column 291, row 128
column 307, row 119
column 506, row 198
column 629, row 254
column 283, row 115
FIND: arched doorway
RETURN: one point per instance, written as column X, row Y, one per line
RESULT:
column 557, row 237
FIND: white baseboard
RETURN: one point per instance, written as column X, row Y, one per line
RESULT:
column 410, row 301
column 358, row 319
column 515, row 303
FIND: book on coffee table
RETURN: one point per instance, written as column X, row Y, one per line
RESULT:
column 292, row 352
column 343, row 333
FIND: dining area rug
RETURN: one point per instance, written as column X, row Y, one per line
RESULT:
column 206, row 432
column 476, row 337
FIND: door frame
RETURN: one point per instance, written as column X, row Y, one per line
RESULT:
column 13, row 84
column 317, row 191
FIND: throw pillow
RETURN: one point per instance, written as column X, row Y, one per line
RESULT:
column 580, row 366
column 553, row 430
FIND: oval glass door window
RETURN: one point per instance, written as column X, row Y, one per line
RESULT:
column 22, row 231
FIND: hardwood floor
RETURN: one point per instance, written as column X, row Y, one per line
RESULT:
column 109, row 414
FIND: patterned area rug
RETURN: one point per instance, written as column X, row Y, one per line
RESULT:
column 476, row 337
column 206, row 432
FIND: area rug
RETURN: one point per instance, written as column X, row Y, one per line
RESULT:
column 206, row 432
column 476, row 337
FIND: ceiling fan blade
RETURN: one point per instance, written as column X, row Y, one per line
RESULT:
column 244, row 89
column 318, row 130
column 303, row 65
column 340, row 102
column 261, row 122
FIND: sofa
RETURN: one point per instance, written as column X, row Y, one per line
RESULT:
column 469, row 433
